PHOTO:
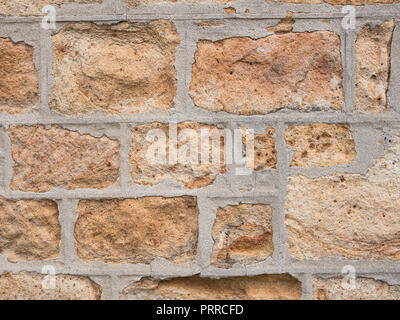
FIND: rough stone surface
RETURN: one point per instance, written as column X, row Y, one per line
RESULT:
column 285, row 25
column 32, row 8
column 29, row 230
column 19, row 83
column 246, row 76
column 365, row 289
column 34, row 286
column 119, row 68
column 152, row 160
column 47, row 158
column 264, row 150
column 263, row 287
column 373, row 48
column 137, row 230
column 355, row 217
column 321, row 145
column 242, row 234
column 341, row 2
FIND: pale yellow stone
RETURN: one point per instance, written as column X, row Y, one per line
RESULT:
column 347, row 215
column 363, row 289
column 263, row 287
column 34, row 286
column 321, row 145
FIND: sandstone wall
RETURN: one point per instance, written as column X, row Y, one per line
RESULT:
column 319, row 206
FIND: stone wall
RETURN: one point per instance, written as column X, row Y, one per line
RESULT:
column 84, row 214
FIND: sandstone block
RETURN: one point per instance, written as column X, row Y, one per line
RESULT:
column 137, row 230
column 57, row 157
column 242, row 234
column 373, row 48
column 291, row 70
column 29, row 230
column 263, row 287
column 321, row 145
column 34, row 286
column 155, row 157
column 119, row 68
column 347, row 215
column 365, row 289
column 19, row 82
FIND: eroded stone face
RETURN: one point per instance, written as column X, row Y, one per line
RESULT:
column 264, row 150
column 264, row 287
column 32, row 8
column 365, row 289
column 246, row 76
column 152, row 156
column 120, row 68
column 137, row 230
column 30, row 286
column 57, row 157
column 321, row 145
column 29, row 230
column 347, row 215
column 373, row 48
column 242, row 234
column 19, row 83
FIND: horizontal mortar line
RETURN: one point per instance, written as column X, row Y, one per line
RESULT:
column 195, row 17
column 211, row 118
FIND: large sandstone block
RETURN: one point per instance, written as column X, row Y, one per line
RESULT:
column 321, row 145
column 34, row 286
column 57, row 157
column 155, row 156
column 32, row 8
column 246, row 76
column 347, row 215
column 373, row 48
column 264, row 287
column 137, row 230
column 119, row 68
column 19, row 82
column 242, row 234
column 29, row 230
column 365, row 289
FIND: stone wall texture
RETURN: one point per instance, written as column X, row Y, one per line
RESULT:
column 200, row 149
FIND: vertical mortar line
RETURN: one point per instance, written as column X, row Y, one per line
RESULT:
column 68, row 209
column 115, row 287
column 349, row 65
column 7, row 162
column 278, row 217
column 124, row 169
column 307, row 284
column 45, row 39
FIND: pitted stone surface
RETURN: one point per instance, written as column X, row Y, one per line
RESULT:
column 321, row 145
column 153, row 149
column 34, row 286
column 373, row 47
column 242, row 234
column 291, row 70
column 29, row 230
column 32, row 8
column 56, row 157
column 347, row 215
column 264, row 150
column 137, row 230
column 119, row 68
column 19, row 82
column 263, row 287
column 365, row 289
